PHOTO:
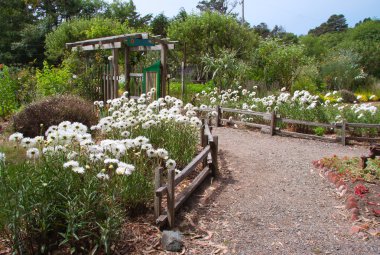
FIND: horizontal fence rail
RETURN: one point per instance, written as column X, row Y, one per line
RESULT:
column 208, row 158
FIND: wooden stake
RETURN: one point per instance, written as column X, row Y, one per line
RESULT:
column 218, row 116
column 344, row 124
column 127, row 70
column 115, row 73
column 157, row 185
column 273, row 123
column 214, row 155
column 171, row 198
column 164, row 65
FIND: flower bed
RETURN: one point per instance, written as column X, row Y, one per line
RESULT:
column 360, row 188
column 301, row 105
column 75, row 186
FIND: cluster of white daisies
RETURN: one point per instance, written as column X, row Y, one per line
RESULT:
column 300, row 98
column 125, row 113
column 81, row 152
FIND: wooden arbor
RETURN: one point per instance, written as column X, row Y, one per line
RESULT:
column 128, row 43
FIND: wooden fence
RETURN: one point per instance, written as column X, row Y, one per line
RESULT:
column 209, row 160
column 275, row 121
column 109, row 83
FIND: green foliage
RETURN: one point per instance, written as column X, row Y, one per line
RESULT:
column 341, row 70
column 211, row 33
column 365, row 39
column 82, row 29
column 54, row 80
column 27, row 85
column 336, row 23
column 220, row 6
column 191, row 89
column 351, row 167
column 160, row 25
column 125, row 12
column 14, row 15
column 277, row 62
column 227, row 71
column 319, row 131
column 8, row 88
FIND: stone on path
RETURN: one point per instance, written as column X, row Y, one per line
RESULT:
column 171, row 241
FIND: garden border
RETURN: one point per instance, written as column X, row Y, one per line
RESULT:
column 209, row 159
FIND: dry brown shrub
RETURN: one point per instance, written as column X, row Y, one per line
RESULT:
column 38, row 116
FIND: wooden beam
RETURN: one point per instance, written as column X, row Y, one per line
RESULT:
column 307, row 123
column 171, row 198
column 164, row 68
column 115, row 64
column 184, row 195
column 214, row 156
column 151, row 48
column 157, row 184
column 307, row 136
column 263, row 114
column 192, row 165
column 127, row 69
column 107, row 39
column 136, row 74
column 106, row 46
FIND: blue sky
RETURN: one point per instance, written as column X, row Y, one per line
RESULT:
column 296, row 16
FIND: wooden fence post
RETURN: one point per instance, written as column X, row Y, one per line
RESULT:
column 273, row 123
column 218, row 116
column 203, row 133
column 344, row 125
column 157, row 184
column 214, row 155
column 171, row 198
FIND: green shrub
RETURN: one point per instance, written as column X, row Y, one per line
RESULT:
column 319, row 131
column 27, row 85
column 8, row 88
column 51, row 111
column 54, row 80
column 305, row 84
column 191, row 89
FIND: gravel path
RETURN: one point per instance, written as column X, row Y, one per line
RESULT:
column 273, row 201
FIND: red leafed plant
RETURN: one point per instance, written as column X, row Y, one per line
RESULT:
column 360, row 190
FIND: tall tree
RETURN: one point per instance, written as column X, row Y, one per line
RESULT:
column 262, row 29
column 14, row 15
column 126, row 11
column 210, row 33
column 221, row 6
column 336, row 23
column 160, row 24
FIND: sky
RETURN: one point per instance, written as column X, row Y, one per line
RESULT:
column 296, row 16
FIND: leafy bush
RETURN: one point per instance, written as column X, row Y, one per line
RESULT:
column 81, row 29
column 319, row 131
column 27, row 85
column 191, row 89
column 8, row 88
column 51, row 111
column 305, row 84
column 54, row 80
